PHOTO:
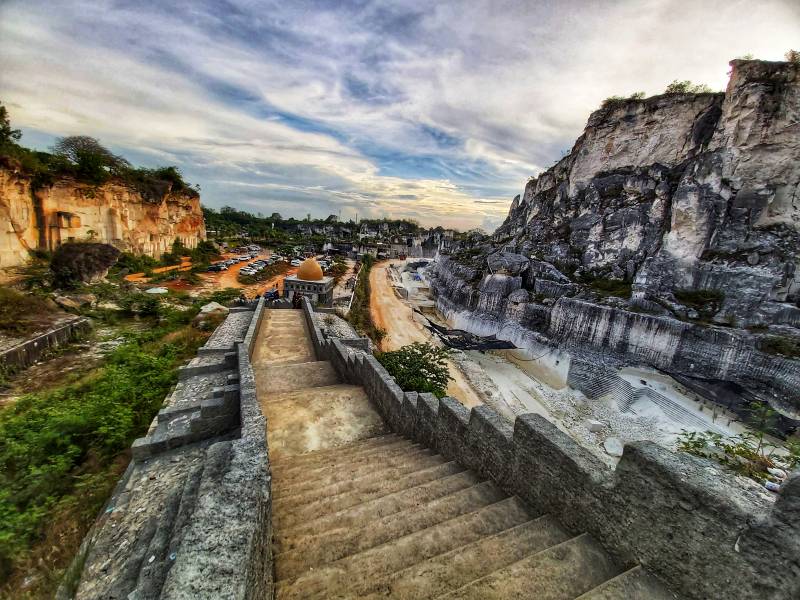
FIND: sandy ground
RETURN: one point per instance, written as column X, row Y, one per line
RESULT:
column 397, row 318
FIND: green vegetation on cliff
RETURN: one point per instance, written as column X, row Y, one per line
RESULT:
column 86, row 160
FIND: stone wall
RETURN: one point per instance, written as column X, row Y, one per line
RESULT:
column 112, row 213
column 683, row 518
column 190, row 518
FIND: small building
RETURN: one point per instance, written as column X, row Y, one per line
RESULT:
column 309, row 281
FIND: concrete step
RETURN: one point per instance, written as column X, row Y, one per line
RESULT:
column 377, row 488
column 356, row 516
column 314, row 550
column 299, row 376
column 379, row 473
column 363, row 573
column 331, row 416
column 300, row 480
column 633, row 584
column 458, row 567
column 562, row 572
column 331, row 456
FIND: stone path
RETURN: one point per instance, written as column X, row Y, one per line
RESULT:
column 361, row 513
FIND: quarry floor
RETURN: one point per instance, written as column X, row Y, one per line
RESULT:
column 514, row 382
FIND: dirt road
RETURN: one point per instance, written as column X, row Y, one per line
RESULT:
column 396, row 317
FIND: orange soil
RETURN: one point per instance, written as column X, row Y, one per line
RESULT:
column 396, row 317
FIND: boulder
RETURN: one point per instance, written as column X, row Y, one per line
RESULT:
column 76, row 301
column 213, row 307
column 613, row 446
column 81, row 262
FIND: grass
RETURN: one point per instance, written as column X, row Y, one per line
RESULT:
column 63, row 449
column 702, row 300
column 608, row 287
column 21, row 314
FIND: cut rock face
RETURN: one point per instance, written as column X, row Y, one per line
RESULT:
column 665, row 239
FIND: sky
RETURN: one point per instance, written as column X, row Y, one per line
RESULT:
column 435, row 110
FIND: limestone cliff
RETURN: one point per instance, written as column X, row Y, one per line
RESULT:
column 669, row 236
column 42, row 217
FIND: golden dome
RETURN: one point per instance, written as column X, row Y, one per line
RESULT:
column 309, row 270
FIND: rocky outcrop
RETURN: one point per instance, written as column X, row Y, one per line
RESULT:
column 668, row 237
column 43, row 217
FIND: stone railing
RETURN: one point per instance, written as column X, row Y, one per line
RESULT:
column 26, row 353
column 684, row 519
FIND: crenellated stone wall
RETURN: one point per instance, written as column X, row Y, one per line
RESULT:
column 43, row 218
column 683, row 518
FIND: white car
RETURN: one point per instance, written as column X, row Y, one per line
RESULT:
column 295, row 263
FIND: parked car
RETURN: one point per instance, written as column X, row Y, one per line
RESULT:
column 295, row 263
column 217, row 267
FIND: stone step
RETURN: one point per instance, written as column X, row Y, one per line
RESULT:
column 299, row 376
column 320, row 474
column 331, row 416
column 360, row 574
column 312, row 551
column 376, row 489
column 356, row 516
column 458, row 567
column 562, row 572
column 381, row 471
column 633, row 584
column 331, row 456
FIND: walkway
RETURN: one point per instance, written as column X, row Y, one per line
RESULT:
column 361, row 513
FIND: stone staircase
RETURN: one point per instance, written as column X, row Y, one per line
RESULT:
column 384, row 517
column 361, row 513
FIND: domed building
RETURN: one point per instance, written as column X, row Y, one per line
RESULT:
column 311, row 282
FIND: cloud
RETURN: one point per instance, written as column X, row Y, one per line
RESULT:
column 435, row 111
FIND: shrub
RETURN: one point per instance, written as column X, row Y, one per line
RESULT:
column 418, row 368
column 687, row 87
column 749, row 453
column 706, row 301
column 618, row 100
column 780, row 345
column 20, row 314
column 225, row 296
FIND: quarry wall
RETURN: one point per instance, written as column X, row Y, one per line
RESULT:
column 683, row 518
column 669, row 237
column 43, row 217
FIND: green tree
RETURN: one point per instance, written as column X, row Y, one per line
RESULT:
column 418, row 368
column 7, row 135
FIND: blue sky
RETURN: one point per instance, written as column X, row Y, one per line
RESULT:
column 438, row 111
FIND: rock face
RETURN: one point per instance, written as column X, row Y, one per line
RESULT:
column 668, row 237
column 34, row 217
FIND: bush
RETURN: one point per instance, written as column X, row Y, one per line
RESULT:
column 705, row 301
column 748, row 454
column 612, row 101
column 20, row 314
column 687, row 87
column 780, row 345
column 225, row 296
column 418, row 368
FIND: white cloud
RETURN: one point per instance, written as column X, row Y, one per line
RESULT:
column 293, row 105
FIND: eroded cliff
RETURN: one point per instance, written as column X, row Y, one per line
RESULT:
column 668, row 237
column 43, row 216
